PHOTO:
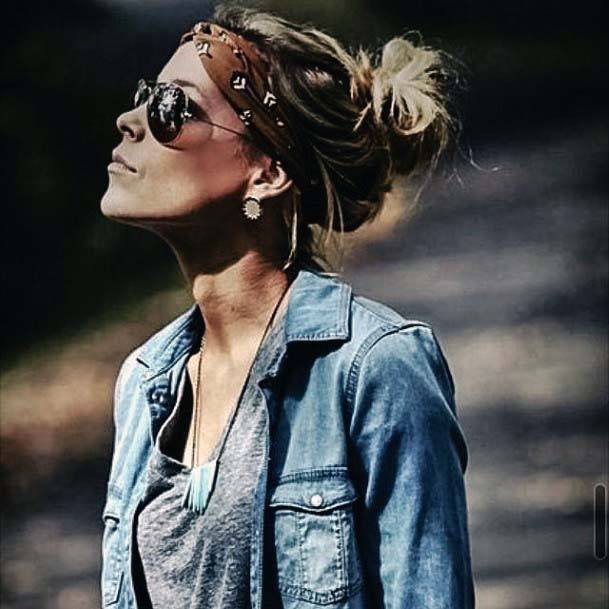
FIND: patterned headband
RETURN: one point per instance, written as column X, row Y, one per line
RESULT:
column 241, row 73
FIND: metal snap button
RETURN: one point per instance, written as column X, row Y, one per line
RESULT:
column 316, row 500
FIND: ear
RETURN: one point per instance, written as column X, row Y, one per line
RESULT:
column 268, row 179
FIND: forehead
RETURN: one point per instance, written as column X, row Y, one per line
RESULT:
column 185, row 68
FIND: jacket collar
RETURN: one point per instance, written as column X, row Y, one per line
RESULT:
column 318, row 310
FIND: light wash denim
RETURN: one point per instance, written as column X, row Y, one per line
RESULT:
column 361, row 504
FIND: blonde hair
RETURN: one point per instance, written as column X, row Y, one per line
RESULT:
column 359, row 122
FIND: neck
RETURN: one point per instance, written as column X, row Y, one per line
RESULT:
column 236, row 301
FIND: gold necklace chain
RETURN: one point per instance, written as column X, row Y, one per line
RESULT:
column 196, row 413
column 198, row 384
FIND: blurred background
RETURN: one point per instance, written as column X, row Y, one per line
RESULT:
column 506, row 258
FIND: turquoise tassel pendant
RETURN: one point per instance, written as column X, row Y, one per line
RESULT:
column 200, row 484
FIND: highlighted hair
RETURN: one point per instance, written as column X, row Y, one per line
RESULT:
column 359, row 124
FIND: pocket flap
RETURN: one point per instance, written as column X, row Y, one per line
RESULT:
column 313, row 490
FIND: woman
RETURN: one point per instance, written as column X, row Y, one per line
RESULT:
column 283, row 443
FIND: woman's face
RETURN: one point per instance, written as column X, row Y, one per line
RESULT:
column 177, row 183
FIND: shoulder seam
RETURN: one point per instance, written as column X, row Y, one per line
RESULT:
column 385, row 320
column 364, row 349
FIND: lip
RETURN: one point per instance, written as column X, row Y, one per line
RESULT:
column 119, row 160
column 117, row 167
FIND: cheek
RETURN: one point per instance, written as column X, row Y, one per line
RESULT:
column 197, row 176
column 172, row 183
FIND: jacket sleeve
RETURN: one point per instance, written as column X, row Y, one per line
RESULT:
column 409, row 458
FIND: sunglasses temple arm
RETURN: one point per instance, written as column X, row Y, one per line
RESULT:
column 204, row 120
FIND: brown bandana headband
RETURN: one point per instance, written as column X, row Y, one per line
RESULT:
column 241, row 73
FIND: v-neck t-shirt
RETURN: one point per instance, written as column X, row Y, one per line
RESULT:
column 197, row 561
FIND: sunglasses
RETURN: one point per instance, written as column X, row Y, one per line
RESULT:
column 168, row 108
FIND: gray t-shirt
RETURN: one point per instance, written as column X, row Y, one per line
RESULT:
column 196, row 561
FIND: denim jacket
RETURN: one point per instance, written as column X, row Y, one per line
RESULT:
column 361, row 504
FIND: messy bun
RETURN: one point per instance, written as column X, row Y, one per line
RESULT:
column 359, row 123
column 406, row 97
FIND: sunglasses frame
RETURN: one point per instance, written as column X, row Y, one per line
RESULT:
column 190, row 112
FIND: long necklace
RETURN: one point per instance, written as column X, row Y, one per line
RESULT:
column 203, row 476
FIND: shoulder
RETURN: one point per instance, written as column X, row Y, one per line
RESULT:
column 388, row 347
column 380, row 332
column 370, row 314
column 399, row 381
column 135, row 361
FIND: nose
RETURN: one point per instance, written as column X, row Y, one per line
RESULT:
column 130, row 123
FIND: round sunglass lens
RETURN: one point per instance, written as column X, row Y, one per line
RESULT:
column 166, row 112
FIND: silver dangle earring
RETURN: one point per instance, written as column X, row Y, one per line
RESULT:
column 293, row 236
column 252, row 208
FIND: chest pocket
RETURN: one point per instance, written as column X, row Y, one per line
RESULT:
column 311, row 517
column 112, row 570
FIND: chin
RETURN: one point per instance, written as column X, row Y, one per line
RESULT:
column 111, row 205
column 119, row 205
column 122, row 208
